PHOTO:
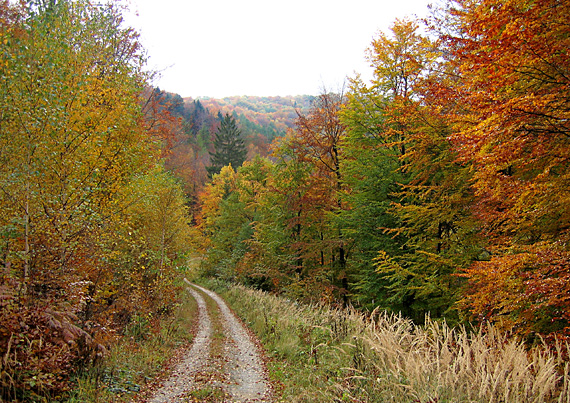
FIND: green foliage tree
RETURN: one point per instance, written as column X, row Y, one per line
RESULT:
column 229, row 147
column 225, row 224
column 406, row 181
column 371, row 172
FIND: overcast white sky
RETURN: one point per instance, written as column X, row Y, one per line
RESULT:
column 220, row 48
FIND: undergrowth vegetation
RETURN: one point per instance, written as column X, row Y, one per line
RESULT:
column 138, row 358
column 322, row 354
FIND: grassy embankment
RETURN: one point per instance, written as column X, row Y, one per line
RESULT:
column 320, row 354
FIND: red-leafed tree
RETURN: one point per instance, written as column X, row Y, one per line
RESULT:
column 511, row 103
column 316, row 141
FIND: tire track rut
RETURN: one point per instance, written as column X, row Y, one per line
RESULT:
column 244, row 378
column 248, row 380
column 182, row 379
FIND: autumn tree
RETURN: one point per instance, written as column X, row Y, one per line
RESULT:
column 148, row 242
column 409, row 200
column 511, row 122
column 301, row 199
column 315, row 142
column 379, row 131
column 225, row 224
column 260, row 252
column 74, row 139
column 79, row 145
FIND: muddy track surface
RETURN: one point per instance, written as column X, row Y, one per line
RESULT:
column 234, row 372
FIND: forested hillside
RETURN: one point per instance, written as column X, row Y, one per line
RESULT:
column 271, row 115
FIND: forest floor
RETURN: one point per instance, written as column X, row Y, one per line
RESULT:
column 224, row 363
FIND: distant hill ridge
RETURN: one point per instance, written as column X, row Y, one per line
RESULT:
column 277, row 112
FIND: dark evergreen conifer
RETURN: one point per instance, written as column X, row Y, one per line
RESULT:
column 229, row 147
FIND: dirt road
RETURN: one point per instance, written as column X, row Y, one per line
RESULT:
column 228, row 369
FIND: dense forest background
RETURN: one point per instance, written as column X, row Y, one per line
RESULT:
column 441, row 187
column 261, row 120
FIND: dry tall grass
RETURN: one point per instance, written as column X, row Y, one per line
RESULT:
column 343, row 355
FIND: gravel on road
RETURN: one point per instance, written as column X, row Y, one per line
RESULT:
column 244, row 378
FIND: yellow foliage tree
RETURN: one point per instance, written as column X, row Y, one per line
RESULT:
column 81, row 190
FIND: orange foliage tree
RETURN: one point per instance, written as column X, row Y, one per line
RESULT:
column 511, row 105
column 316, row 142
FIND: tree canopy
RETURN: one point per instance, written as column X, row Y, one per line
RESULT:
column 91, row 225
